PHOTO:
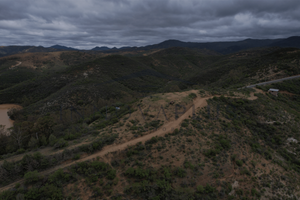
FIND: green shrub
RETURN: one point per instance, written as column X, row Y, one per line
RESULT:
column 33, row 193
column 154, row 123
column 201, row 92
column 131, row 152
column 45, row 192
column 239, row 163
column 52, row 192
column 111, row 174
column 153, row 140
column 97, row 165
column 211, row 152
column 253, row 163
column 209, row 189
column 180, row 172
column 20, row 151
column 38, row 156
column 98, row 192
column 192, row 95
column 134, row 128
column 245, row 171
column 60, row 143
column 233, row 157
column 224, row 142
column 184, row 124
column 76, row 157
column 200, row 189
column 20, row 196
column 176, row 131
column 52, row 140
column 32, row 177
column 188, row 164
column 203, row 133
column 254, row 192
column 130, row 171
column 33, row 143
column 239, row 192
column 268, row 155
column 70, row 137
column 44, row 141
column 17, row 185
column 58, row 176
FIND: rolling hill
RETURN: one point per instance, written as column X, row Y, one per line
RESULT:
column 158, row 123
column 63, row 75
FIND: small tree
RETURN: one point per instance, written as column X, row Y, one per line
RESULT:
column 2, row 130
column 33, row 143
column 44, row 125
column 18, row 135
column 13, row 113
column 60, row 143
column 200, row 189
column 4, row 138
column 44, row 140
column 52, row 140
column 31, row 177
column 20, row 196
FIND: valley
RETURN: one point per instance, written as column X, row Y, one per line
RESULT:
column 169, row 123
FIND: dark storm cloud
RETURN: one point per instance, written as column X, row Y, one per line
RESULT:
column 89, row 23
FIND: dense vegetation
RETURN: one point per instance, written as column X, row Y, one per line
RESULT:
column 208, row 142
column 94, row 96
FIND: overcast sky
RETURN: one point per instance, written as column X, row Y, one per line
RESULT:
column 88, row 23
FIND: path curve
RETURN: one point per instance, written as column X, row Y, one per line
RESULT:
column 15, row 65
column 199, row 103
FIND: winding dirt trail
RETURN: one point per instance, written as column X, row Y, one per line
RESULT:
column 15, row 65
column 168, row 127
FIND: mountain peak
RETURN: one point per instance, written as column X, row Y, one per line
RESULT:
column 57, row 46
column 171, row 41
column 102, row 48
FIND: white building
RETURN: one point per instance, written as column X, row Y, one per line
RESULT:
column 273, row 91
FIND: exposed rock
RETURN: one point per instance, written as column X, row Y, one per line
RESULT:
column 290, row 140
column 234, row 186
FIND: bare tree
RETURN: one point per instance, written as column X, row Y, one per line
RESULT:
column 3, row 130
column 18, row 135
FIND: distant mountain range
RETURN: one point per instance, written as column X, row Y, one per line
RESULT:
column 103, row 48
column 63, row 47
column 229, row 47
column 220, row 47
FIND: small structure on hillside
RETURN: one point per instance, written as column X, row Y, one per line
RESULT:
column 273, row 91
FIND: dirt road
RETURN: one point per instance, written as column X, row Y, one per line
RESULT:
column 274, row 81
column 168, row 127
column 15, row 65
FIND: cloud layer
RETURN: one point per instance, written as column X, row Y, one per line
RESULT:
column 89, row 23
